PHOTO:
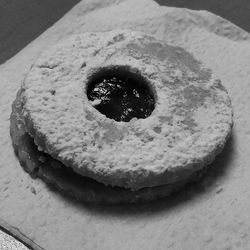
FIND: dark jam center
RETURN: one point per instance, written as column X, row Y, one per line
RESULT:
column 121, row 98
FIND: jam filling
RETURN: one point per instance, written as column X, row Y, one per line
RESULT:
column 121, row 97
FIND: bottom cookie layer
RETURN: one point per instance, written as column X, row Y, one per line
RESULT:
column 42, row 165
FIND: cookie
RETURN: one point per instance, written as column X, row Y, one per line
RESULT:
column 188, row 116
column 41, row 165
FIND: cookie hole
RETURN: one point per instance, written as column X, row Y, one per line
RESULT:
column 121, row 93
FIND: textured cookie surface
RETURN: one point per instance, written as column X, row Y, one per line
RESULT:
column 40, row 164
column 189, row 126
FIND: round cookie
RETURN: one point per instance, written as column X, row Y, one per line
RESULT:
column 40, row 164
column 190, row 123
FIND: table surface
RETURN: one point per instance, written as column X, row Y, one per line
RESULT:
column 7, row 242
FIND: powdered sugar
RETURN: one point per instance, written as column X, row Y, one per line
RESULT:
column 136, row 154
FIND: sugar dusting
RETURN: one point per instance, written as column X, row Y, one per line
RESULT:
column 144, row 156
column 203, row 218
